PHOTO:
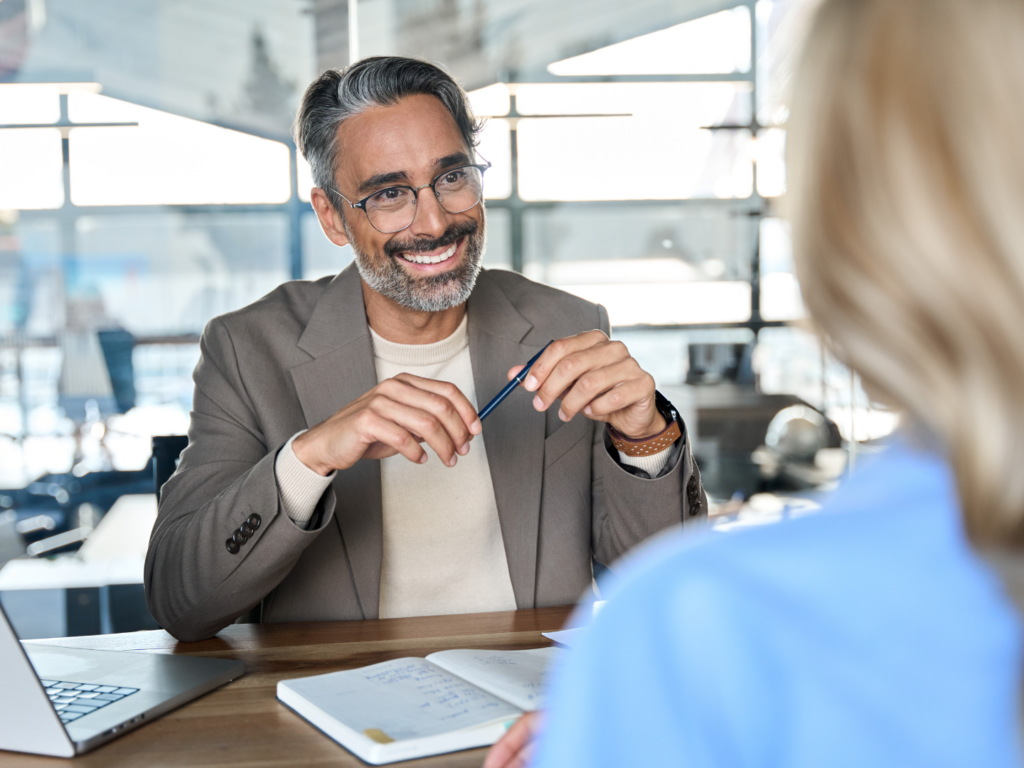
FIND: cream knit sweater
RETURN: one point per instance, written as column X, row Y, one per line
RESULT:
column 443, row 548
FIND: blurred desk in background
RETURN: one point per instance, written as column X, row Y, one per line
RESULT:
column 762, row 509
column 123, row 533
column 96, row 590
column 244, row 724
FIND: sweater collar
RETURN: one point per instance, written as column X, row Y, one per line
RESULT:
column 422, row 354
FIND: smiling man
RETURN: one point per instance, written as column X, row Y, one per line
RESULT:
column 336, row 467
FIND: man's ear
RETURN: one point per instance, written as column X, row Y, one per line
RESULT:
column 329, row 218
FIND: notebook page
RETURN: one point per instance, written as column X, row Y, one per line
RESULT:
column 516, row 676
column 401, row 699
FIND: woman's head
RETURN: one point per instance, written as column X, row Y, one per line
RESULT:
column 906, row 162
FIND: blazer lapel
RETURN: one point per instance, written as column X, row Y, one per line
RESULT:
column 341, row 370
column 499, row 337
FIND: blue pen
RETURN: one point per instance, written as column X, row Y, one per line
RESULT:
column 510, row 387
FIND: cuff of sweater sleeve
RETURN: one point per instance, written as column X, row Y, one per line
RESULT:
column 300, row 487
column 652, row 464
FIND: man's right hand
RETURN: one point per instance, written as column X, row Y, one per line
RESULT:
column 393, row 417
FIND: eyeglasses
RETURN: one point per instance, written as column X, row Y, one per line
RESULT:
column 394, row 208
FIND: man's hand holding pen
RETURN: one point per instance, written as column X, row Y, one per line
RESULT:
column 591, row 374
column 588, row 372
column 393, row 417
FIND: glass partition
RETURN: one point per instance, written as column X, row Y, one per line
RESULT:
column 150, row 183
column 611, row 158
column 664, row 265
column 170, row 273
column 780, row 292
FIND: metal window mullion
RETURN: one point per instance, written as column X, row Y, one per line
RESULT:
column 515, row 201
column 294, row 208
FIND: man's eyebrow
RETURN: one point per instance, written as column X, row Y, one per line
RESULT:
column 381, row 179
column 457, row 158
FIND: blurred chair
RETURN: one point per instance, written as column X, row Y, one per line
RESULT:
column 97, row 366
column 84, row 389
column 117, row 345
column 166, row 450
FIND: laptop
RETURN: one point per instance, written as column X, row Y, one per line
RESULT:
column 66, row 701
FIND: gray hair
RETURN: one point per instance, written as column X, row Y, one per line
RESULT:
column 378, row 81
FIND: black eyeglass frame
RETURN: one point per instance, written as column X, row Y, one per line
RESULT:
column 416, row 194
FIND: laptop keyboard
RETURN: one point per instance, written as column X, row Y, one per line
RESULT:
column 75, row 700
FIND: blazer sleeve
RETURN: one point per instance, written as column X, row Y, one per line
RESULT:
column 195, row 583
column 626, row 508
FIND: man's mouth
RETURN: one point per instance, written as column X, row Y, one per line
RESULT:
column 432, row 257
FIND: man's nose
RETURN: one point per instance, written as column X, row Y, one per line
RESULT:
column 431, row 219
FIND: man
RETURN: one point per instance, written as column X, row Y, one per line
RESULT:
column 336, row 467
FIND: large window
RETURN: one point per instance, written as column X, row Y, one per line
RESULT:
column 149, row 182
column 648, row 264
column 637, row 151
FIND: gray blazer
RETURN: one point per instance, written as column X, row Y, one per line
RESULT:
column 296, row 356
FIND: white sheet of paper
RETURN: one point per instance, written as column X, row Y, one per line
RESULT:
column 565, row 637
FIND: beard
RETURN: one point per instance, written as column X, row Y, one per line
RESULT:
column 433, row 293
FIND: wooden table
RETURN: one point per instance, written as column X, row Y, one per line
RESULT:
column 243, row 724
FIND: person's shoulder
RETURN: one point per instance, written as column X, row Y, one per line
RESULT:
column 875, row 593
column 542, row 304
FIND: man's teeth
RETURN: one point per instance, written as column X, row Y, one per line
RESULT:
column 419, row 258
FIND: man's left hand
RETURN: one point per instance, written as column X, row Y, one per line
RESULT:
column 591, row 374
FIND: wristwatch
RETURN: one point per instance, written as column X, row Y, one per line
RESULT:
column 648, row 446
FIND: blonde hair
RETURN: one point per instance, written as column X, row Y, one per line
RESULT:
column 906, row 168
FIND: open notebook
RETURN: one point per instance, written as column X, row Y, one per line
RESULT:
column 412, row 707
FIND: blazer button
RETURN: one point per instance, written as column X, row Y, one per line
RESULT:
column 254, row 520
column 239, row 538
column 246, row 529
column 232, row 546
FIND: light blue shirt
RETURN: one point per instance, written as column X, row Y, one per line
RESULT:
column 868, row 635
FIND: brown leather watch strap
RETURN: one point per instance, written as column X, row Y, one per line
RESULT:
column 645, row 446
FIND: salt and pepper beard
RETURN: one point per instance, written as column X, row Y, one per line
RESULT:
column 432, row 293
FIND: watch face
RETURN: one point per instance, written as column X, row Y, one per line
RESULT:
column 665, row 407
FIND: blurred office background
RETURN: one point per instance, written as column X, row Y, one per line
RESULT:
column 148, row 182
